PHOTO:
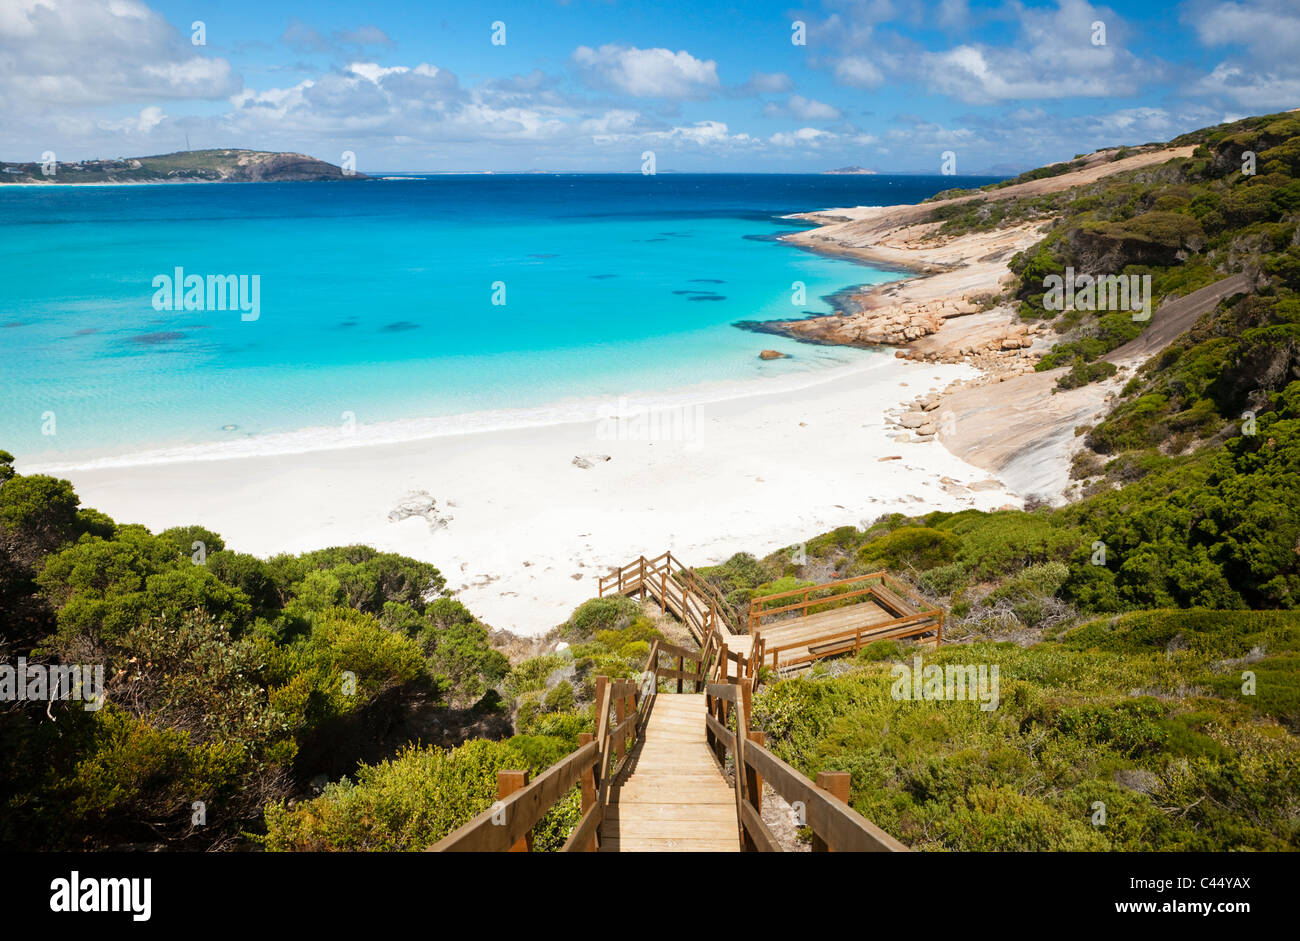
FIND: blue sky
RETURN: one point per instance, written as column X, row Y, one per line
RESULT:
column 581, row 85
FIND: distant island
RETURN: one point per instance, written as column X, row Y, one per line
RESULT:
column 848, row 171
column 188, row 166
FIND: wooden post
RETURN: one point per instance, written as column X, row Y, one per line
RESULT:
column 681, row 668
column 722, row 663
column 620, row 713
column 663, row 591
column 754, row 780
column 836, row 783
column 710, row 707
column 507, row 783
column 746, row 695
column 719, row 746
column 588, row 783
column 602, row 726
column 742, row 780
column 939, row 637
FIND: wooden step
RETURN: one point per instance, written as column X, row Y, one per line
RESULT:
column 669, row 845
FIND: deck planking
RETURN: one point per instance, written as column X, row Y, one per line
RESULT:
column 673, row 797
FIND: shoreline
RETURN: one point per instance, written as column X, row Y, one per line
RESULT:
column 521, row 521
column 571, row 410
column 951, row 309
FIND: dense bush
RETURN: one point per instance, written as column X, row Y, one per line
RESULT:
column 413, row 800
column 1159, row 732
column 220, row 668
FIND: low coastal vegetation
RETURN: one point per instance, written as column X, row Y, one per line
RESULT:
column 338, row 699
column 1128, row 732
column 230, row 681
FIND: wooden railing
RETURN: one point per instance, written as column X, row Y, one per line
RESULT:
column 599, row 759
column 914, row 616
column 675, row 586
column 880, row 585
column 623, row 708
column 822, row 807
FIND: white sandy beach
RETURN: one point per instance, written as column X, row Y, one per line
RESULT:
column 529, row 532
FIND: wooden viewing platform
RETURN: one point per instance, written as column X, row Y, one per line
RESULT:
column 654, row 775
column 839, row 617
column 789, row 630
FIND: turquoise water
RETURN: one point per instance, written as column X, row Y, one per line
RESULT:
column 376, row 299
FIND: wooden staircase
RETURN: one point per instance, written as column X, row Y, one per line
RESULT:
column 672, row 796
column 667, row 790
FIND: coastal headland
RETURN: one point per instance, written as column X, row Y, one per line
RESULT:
column 952, row 309
column 187, row 166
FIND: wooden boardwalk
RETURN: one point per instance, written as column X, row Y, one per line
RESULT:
column 672, row 797
column 667, row 792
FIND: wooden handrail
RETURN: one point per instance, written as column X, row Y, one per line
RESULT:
column 658, row 576
column 509, row 822
column 835, row 825
column 831, row 584
column 810, row 602
column 882, row 627
column 831, row 819
column 512, row 818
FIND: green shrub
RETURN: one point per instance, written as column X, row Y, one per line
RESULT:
column 910, row 546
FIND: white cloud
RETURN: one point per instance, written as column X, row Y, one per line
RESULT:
column 1054, row 57
column 805, row 109
column 805, row 136
column 1251, row 89
column 144, row 122
column 647, row 73
column 1268, row 29
column 1267, row 76
column 85, row 52
column 858, row 72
